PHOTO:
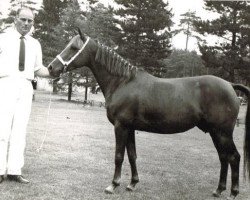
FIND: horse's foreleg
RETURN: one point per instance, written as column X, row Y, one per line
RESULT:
column 121, row 136
column 131, row 150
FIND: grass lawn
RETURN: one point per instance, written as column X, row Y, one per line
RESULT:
column 77, row 159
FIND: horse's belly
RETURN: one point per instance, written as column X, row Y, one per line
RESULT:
column 163, row 127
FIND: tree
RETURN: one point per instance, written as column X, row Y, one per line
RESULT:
column 100, row 24
column 244, row 42
column 97, row 23
column 183, row 63
column 186, row 24
column 144, row 32
column 226, row 55
column 70, row 19
column 45, row 22
column 14, row 6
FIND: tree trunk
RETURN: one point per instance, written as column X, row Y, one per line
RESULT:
column 70, row 87
column 55, row 88
column 86, row 88
column 187, row 37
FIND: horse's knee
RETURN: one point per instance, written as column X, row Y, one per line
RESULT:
column 234, row 159
column 132, row 157
column 119, row 159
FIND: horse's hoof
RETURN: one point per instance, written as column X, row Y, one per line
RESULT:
column 130, row 188
column 232, row 197
column 216, row 193
column 109, row 190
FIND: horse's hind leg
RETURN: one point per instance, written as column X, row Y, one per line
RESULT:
column 224, row 164
column 234, row 161
column 228, row 154
column 121, row 136
column 131, row 150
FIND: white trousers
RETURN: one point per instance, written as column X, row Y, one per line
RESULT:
column 15, row 107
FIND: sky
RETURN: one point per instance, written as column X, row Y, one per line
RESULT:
column 179, row 7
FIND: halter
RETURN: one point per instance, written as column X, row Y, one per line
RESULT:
column 66, row 63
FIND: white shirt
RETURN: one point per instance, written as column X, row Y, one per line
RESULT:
column 9, row 55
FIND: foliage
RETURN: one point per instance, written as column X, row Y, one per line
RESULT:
column 100, row 24
column 14, row 6
column 45, row 22
column 244, row 43
column 226, row 55
column 97, row 23
column 183, row 63
column 69, row 20
column 144, row 32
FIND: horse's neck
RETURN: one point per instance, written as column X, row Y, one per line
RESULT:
column 107, row 82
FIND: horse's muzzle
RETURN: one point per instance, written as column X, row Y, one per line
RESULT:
column 52, row 72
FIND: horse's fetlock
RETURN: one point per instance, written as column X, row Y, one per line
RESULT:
column 135, row 180
column 234, row 192
column 222, row 188
column 116, row 183
column 119, row 160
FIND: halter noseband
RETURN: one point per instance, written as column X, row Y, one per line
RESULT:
column 66, row 63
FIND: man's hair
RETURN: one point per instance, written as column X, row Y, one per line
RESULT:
column 24, row 8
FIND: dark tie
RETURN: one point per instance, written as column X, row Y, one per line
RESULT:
column 22, row 54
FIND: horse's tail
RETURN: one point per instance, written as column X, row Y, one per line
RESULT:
column 246, row 91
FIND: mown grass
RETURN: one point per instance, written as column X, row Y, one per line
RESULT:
column 77, row 159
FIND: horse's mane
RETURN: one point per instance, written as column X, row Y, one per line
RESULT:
column 114, row 63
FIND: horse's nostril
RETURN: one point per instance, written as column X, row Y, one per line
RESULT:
column 50, row 68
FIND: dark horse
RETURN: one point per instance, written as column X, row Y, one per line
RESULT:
column 136, row 100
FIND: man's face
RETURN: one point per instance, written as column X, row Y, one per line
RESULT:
column 24, row 21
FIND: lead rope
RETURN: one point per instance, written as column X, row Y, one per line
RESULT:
column 47, row 118
column 64, row 71
column 46, row 125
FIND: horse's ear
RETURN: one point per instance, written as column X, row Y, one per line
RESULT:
column 81, row 34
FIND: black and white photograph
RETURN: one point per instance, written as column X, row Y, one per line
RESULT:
column 124, row 99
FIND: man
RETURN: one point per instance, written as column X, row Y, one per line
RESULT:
column 20, row 60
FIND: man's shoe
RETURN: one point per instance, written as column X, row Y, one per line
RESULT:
column 1, row 178
column 18, row 178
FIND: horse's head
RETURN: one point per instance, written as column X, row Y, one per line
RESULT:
column 72, row 57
